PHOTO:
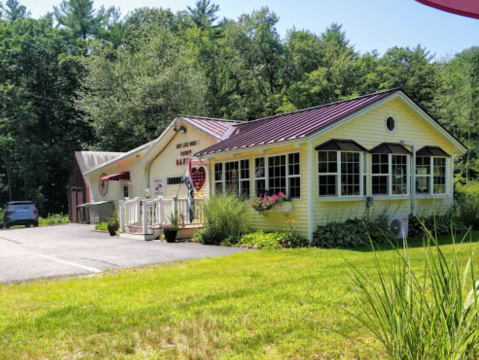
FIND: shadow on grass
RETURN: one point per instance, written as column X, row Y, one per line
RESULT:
column 471, row 237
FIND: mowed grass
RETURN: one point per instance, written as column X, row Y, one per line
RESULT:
column 286, row 304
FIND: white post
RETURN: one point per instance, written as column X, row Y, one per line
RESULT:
column 122, row 215
column 138, row 211
column 145, row 217
column 175, row 204
column 158, row 210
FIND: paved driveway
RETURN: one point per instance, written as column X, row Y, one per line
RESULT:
column 73, row 249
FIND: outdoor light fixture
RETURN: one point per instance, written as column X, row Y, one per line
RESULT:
column 182, row 128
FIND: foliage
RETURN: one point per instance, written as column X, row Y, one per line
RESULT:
column 14, row 11
column 290, row 299
column 442, row 224
column 467, row 203
column 353, row 233
column 267, row 202
column 101, row 226
column 114, row 219
column 53, row 219
column 174, row 223
column 226, row 216
column 432, row 313
column 270, row 240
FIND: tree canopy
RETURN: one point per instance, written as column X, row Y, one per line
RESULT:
column 88, row 78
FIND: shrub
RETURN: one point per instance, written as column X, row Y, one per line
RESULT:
column 270, row 240
column 226, row 216
column 352, row 233
column 442, row 224
column 431, row 313
column 101, row 226
column 53, row 219
column 467, row 203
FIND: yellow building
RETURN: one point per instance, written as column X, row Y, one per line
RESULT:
column 376, row 153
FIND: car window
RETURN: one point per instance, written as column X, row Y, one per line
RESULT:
column 22, row 207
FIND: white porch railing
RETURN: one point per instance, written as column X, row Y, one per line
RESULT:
column 156, row 212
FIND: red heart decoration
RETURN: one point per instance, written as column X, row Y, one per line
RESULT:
column 198, row 175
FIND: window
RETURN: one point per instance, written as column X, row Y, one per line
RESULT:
column 232, row 176
column 430, row 175
column 389, row 174
column 259, row 176
column 340, row 173
column 277, row 174
column 126, row 191
column 391, row 124
column 174, row 180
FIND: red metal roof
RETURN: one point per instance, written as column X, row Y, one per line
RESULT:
column 469, row 8
column 219, row 128
column 295, row 125
column 117, row 177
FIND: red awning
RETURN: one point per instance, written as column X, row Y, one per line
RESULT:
column 119, row 176
column 197, row 162
column 469, row 8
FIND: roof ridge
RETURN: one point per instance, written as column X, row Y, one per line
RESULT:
column 322, row 105
column 209, row 118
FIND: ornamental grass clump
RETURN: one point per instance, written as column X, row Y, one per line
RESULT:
column 227, row 216
column 427, row 313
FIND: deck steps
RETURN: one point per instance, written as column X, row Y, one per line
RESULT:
column 135, row 232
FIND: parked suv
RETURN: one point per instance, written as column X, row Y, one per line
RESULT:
column 20, row 213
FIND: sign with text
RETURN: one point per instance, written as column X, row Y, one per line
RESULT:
column 159, row 187
column 198, row 175
column 184, row 153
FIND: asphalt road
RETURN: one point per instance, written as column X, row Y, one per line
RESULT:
column 73, row 249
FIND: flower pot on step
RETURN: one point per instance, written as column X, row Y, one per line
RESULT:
column 112, row 229
column 170, row 235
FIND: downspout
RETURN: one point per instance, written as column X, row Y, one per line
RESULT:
column 310, row 191
column 413, row 174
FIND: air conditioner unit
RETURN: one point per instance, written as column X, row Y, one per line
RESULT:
column 399, row 225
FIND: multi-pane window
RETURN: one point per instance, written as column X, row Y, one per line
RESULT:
column 259, row 176
column 276, row 174
column 380, row 174
column 423, row 174
column 232, row 176
column 340, row 173
column 218, row 178
column 350, row 174
column 389, row 174
column 126, row 191
column 294, row 175
column 174, row 180
column 431, row 175
column 399, row 174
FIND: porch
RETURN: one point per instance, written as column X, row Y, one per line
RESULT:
column 144, row 219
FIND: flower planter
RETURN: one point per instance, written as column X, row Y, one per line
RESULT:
column 285, row 207
column 112, row 229
column 170, row 235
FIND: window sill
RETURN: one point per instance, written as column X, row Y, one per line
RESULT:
column 431, row 196
column 341, row 198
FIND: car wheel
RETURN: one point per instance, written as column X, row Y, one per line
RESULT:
column 27, row 225
column 7, row 226
column 35, row 224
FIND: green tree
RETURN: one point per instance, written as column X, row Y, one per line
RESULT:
column 15, row 11
column 80, row 17
column 204, row 13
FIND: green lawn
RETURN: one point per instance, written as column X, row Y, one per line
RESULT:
column 262, row 304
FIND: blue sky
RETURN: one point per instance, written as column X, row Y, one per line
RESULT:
column 369, row 24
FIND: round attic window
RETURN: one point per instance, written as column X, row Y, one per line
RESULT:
column 391, row 124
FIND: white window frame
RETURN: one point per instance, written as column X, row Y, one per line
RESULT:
column 430, row 177
column 239, row 180
column 395, row 123
column 288, row 176
column 123, row 186
column 390, row 176
column 362, row 160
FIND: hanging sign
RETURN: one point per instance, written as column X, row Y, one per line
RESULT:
column 159, row 187
column 198, row 175
column 103, row 185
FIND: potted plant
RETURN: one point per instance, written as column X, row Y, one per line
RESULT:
column 171, row 230
column 113, row 223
